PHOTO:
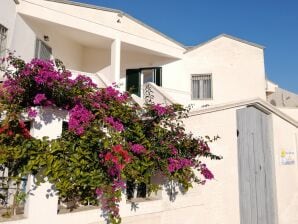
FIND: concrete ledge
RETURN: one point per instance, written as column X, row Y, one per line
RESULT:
column 256, row 102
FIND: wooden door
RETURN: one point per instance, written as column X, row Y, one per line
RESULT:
column 256, row 167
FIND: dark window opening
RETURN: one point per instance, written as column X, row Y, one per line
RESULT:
column 28, row 125
column 136, row 78
column 134, row 190
column 64, row 126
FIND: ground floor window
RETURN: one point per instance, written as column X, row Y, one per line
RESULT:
column 139, row 192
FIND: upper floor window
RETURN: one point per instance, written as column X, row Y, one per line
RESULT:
column 136, row 78
column 42, row 51
column 201, row 87
column 3, row 39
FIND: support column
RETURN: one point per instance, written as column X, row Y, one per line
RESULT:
column 115, row 60
column 42, row 201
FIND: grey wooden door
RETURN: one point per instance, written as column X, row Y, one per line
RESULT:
column 256, row 167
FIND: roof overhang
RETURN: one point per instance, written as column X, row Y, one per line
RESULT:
column 70, row 16
column 226, row 36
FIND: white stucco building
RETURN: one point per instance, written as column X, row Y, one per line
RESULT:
column 224, row 78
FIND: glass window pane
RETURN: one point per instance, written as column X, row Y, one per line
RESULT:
column 3, row 37
column 201, row 86
column 148, row 75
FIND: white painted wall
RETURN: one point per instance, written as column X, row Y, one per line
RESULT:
column 20, row 38
column 63, row 48
column 292, row 112
column 94, row 59
column 237, row 71
column 7, row 17
column 23, row 40
column 286, row 138
column 220, row 198
column 216, row 202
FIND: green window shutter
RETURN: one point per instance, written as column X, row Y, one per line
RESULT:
column 133, row 81
column 158, row 76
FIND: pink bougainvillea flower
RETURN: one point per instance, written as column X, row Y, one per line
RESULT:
column 175, row 164
column 137, row 148
column 79, row 118
column 206, row 172
column 115, row 123
column 159, row 109
column 99, row 192
column 32, row 113
column 39, row 98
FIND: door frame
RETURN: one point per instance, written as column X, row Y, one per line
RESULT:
column 141, row 77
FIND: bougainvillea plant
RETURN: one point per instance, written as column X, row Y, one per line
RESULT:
column 110, row 139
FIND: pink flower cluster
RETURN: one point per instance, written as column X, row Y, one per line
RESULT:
column 177, row 164
column 31, row 112
column 79, row 118
column 204, row 146
column 206, row 172
column 159, row 109
column 45, row 83
column 173, row 149
column 12, row 88
column 112, row 93
column 39, row 98
column 84, row 82
column 137, row 148
column 109, row 200
column 115, row 123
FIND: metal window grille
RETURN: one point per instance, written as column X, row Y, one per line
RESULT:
column 3, row 39
column 201, row 86
column 42, row 51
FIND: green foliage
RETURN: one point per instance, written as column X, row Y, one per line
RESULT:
column 110, row 139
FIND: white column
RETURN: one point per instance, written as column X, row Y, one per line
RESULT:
column 42, row 201
column 116, row 60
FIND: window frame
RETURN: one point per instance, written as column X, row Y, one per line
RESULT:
column 5, row 34
column 156, row 80
column 38, row 43
column 211, row 86
column 3, row 52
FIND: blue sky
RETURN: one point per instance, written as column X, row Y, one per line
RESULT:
column 272, row 23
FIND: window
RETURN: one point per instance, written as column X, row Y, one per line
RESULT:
column 201, row 87
column 135, row 191
column 3, row 38
column 136, row 78
column 42, row 51
column 151, row 75
column 139, row 192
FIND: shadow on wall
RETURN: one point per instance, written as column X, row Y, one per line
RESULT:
column 283, row 98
